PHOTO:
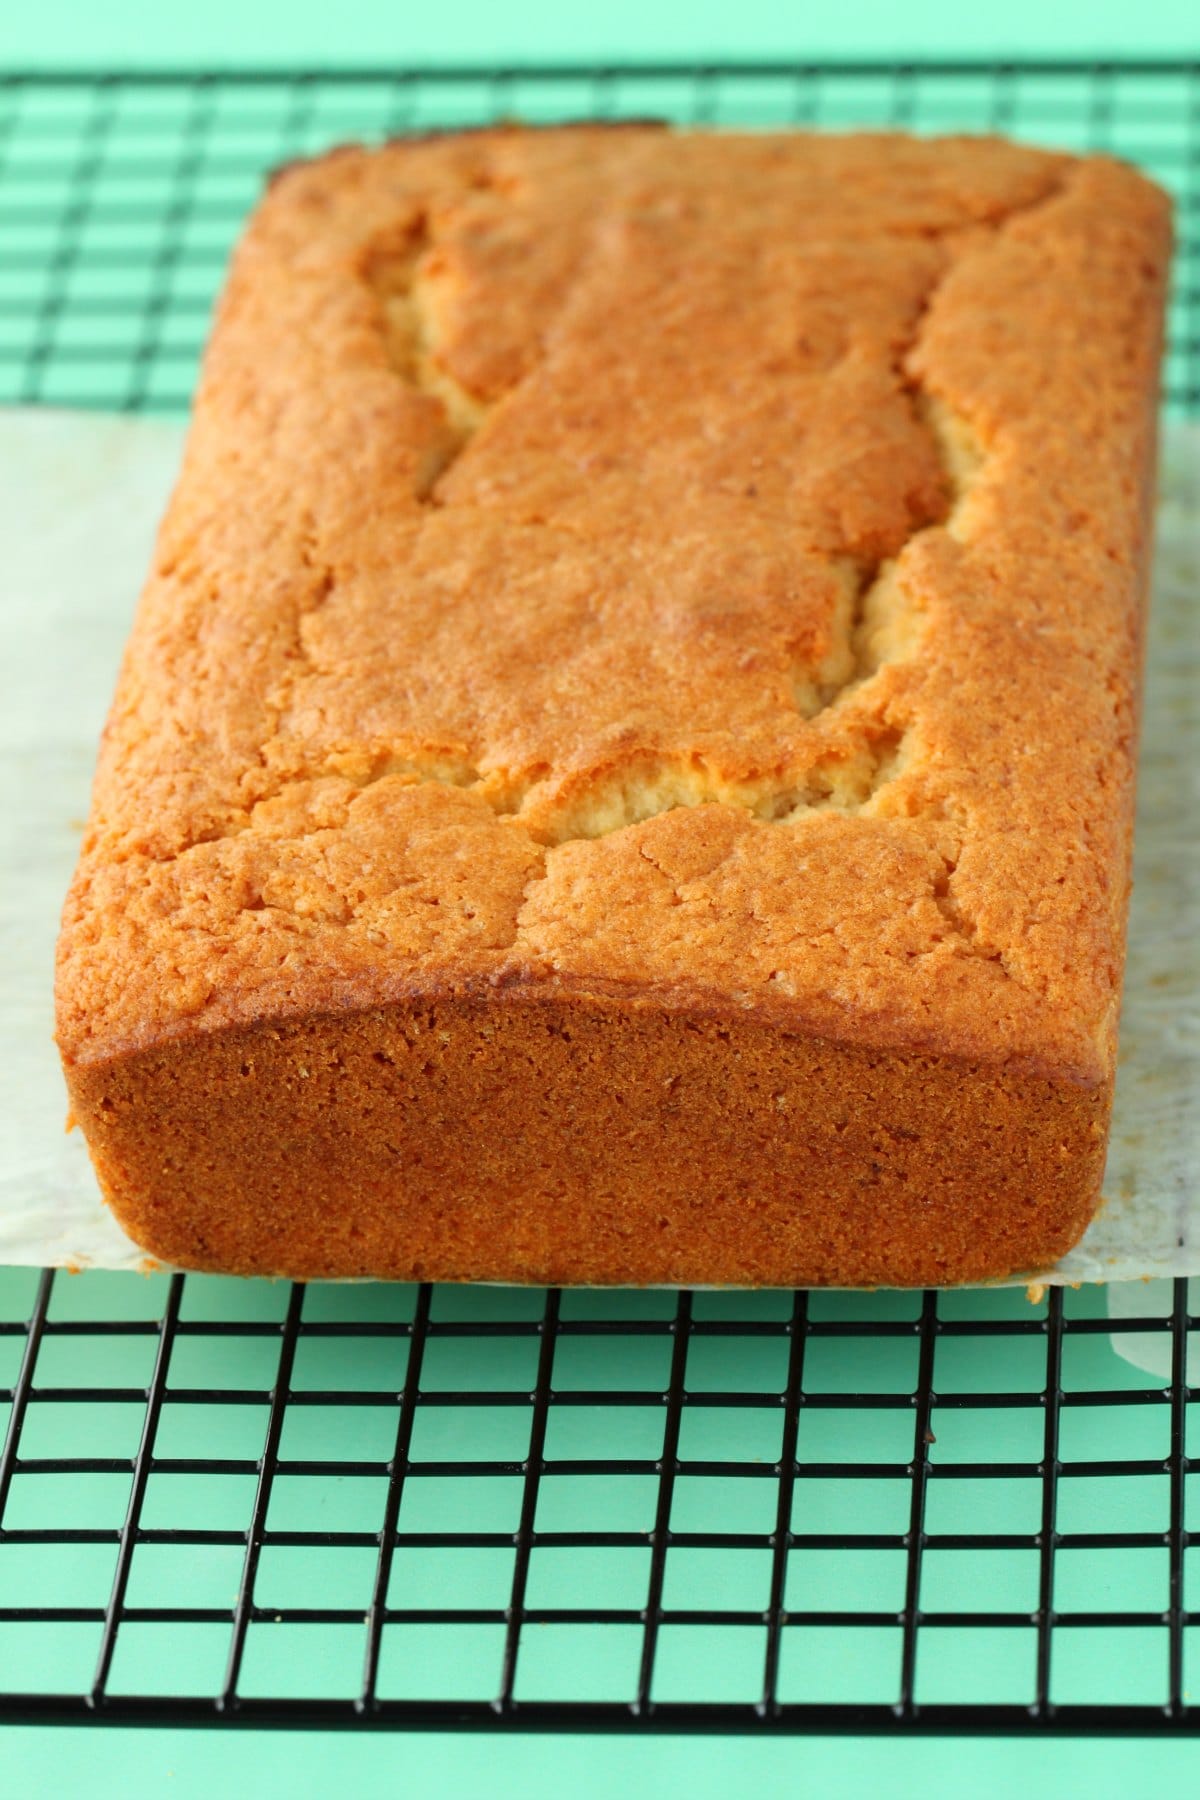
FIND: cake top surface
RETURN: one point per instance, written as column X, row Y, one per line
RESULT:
column 697, row 567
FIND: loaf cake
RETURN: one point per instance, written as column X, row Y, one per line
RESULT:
column 623, row 771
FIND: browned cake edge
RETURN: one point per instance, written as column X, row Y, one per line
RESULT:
column 587, row 1140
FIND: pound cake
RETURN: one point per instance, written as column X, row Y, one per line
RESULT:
column 623, row 771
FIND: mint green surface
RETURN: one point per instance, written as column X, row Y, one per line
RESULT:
column 101, row 1763
column 332, row 32
column 193, row 1766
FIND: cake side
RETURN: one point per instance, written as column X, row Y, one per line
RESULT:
column 700, row 572
column 592, row 1140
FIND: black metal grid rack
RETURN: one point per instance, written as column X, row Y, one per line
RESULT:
column 260, row 1504
column 251, row 1503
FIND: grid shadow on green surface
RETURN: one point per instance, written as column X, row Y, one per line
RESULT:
column 262, row 1503
column 227, row 1502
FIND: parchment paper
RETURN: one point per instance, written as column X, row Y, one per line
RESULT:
column 82, row 495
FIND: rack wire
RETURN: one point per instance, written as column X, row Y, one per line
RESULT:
column 259, row 1504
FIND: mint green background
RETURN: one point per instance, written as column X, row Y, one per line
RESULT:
column 330, row 32
column 192, row 1766
column 57, row 32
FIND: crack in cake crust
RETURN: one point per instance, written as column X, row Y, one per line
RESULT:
column 397, row 278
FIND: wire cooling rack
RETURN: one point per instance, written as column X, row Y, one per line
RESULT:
column 253, row 1503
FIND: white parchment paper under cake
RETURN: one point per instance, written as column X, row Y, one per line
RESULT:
column 82, row 496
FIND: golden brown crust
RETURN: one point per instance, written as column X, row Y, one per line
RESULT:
column 671, row 578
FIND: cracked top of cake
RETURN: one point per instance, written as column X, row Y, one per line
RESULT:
column 698, row 568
